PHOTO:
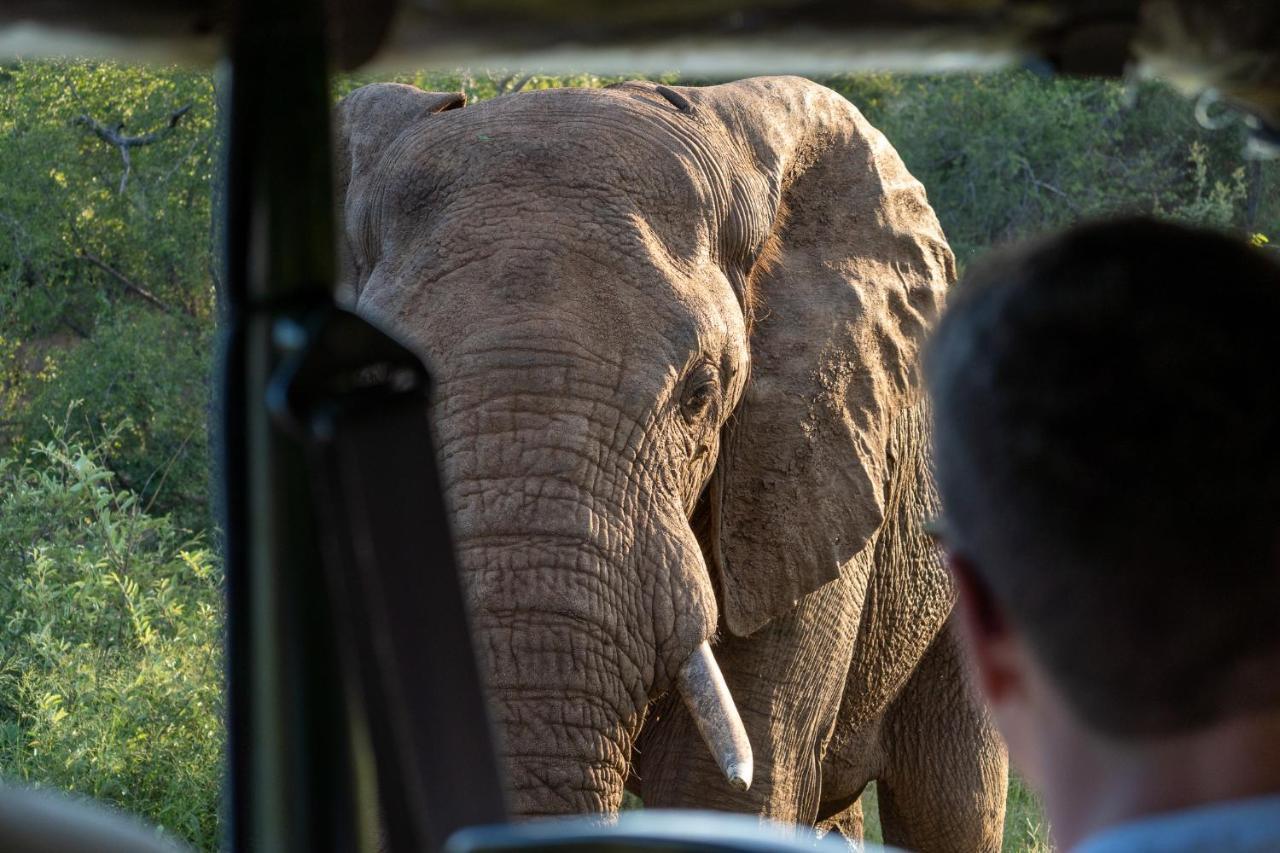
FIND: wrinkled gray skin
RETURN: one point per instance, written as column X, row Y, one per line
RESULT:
column 673, row 334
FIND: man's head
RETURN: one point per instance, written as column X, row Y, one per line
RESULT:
column 1107, row 408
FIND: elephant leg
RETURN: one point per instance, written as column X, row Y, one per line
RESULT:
column 847, row 824
column 946, row 773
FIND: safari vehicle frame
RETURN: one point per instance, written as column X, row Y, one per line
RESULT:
column 326, row 728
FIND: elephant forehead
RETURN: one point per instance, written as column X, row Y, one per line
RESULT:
column 613, row 297
column 581, row 215
column 574, row 153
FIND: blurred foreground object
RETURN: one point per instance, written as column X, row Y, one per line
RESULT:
column 644, row 831
column 46, row 822
column 289, row 792
column 1228, row 51
column 1230, row 47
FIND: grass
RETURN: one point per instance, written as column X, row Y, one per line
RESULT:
column 1025, row 827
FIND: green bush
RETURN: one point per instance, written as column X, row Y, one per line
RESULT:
column 1010, row 155
column 110, row 646
column 143, row 377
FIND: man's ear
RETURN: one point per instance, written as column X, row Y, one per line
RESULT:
column 1024, row 704
column 992, row 646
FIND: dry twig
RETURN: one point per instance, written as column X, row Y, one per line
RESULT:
column 115, row 136
column 127, row 283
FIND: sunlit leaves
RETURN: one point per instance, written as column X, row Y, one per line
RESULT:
column 1011, row 155
column 110, row 642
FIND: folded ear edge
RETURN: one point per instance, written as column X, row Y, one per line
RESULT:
column 382, row 111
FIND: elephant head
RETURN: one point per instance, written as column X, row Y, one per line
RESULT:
column 669, row 329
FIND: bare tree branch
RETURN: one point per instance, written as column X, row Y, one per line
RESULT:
column 115, row 137
column 511, row 83
column 1035, row 180
column 79, row 330
column 127, row 283
column 1051, row 188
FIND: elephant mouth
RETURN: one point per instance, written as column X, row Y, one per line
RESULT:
column 702, row 686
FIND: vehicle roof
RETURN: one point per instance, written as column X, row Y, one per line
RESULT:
column 1229, row 49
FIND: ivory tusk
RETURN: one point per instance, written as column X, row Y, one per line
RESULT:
column 707, row 696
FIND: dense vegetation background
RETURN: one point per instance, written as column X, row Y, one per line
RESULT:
column 110, row 609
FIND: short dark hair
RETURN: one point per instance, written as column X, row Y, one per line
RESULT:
column 1107, row 448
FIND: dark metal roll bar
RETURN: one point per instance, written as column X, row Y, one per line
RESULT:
column 354, row 697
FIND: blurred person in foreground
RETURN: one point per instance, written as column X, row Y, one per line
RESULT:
column 1107, row 430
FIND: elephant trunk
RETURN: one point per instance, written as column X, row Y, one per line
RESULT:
column 705, row 694
column 583, row 608
column 564, row 712
column 569, row 682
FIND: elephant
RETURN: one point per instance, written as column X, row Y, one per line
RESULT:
column 673, row 335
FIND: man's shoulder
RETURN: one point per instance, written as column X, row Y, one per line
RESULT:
column 1239, row 826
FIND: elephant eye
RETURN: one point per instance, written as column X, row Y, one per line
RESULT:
column 700, row 393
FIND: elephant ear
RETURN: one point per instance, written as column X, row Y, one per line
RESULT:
column 366, row 122
column 370, row 118
column 852, row 276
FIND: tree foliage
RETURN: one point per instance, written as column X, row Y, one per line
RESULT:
column 110, row 646
column 105, row 283
column 1010, row 155
column 62, row 200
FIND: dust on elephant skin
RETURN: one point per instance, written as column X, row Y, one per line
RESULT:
column 674, row 334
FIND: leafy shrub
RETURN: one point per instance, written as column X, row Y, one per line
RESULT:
column 1010, row 155
column 1211, row 203
column 110, row 648
column 106, row 287
column 143, row 376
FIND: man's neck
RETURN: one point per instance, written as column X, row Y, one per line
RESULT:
column 1094, row 783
